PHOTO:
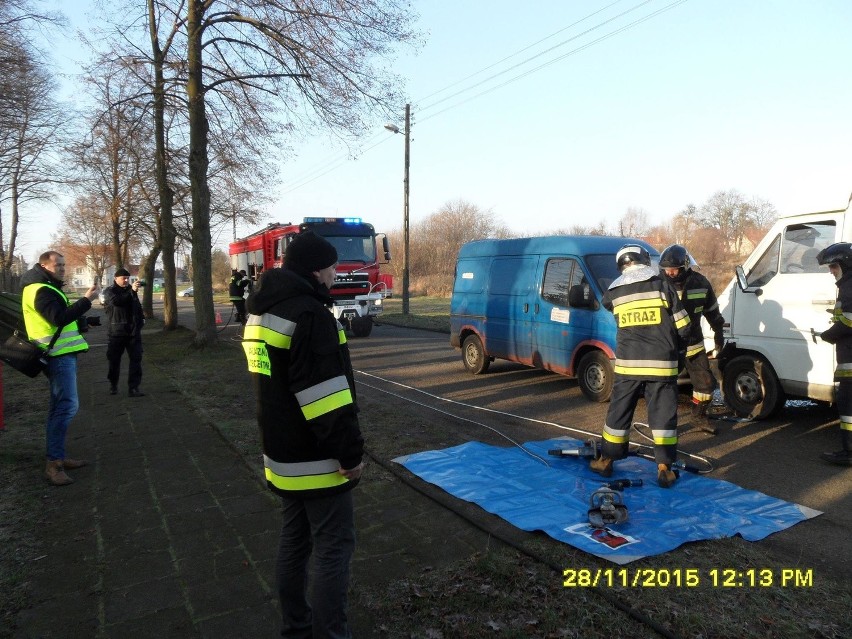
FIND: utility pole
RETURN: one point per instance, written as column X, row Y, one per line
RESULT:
column 406, row 186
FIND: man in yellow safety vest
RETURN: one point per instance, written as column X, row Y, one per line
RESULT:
column 46, row 310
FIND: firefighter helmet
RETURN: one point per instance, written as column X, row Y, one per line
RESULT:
column 838, row 253
column 675, row 256
column 632, row 253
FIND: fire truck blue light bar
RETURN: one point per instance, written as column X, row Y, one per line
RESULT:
column 344, row 220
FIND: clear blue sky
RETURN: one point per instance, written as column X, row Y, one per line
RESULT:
column 709, row 95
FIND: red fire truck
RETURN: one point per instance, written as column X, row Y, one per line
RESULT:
column 359, row 289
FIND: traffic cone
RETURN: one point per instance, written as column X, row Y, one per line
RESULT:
column 218, row 317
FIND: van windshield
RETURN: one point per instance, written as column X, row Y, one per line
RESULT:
column 603, row 268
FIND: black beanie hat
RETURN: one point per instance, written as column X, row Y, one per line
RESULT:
column 309, row 252
column 122, row 272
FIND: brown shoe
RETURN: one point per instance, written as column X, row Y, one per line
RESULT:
column 73, row 464
column 602, row 466
column 54, row 473
column 666, row 477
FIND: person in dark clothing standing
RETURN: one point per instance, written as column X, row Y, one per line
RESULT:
column 46, row 309
column 236, row 292
column 122, row 306
column 839, row 259
column 698, row 298
column 652, row 332
column 312, row 444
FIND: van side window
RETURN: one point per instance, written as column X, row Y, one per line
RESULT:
column 767, row 266
column 802, row 243
column 560, row 274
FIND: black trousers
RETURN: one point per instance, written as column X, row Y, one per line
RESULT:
column 703, row 381
column 115, row 349
column 240, row 309
column 661, row 398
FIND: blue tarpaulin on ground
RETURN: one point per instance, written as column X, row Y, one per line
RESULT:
column 554, row 499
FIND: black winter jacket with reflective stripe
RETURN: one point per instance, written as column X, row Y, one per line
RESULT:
column 299, row 360
column 698, row 298
column 652, row 324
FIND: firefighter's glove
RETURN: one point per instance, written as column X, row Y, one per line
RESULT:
column 719, row 342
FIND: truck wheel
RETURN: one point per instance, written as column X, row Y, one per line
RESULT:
column 362, row 326
column 751, row 388
column 595, row 376
column 473, row 355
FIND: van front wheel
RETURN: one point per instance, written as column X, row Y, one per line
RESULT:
column 473, row 355
column 595, row 376
column 751, row 388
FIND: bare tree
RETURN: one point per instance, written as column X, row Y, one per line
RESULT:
column 313, row 62
column 115, row 162
column 85, row 225
column 32, row 134
column 435, row 242
column 634, row 223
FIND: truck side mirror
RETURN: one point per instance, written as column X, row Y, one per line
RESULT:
column 742, row 282
column 386, row 247
column 581, row 296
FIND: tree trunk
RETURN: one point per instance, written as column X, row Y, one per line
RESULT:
column 198, row 162
column 165, row 192
column 146, row 273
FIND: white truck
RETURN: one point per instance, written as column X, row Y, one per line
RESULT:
column 774, row 310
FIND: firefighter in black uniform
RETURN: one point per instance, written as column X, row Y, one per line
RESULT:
column 312, row 444
column 236, row 292
column 839, row 259
column 697, row 296
column 653, row 328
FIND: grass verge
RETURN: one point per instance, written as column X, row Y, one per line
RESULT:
column 425, row 313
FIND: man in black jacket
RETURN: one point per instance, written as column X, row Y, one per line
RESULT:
column 698, row 298
column 124, row 311
column 237, row 291
column 652, row 330
column 312, row 445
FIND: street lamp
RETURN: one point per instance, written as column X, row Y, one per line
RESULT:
column 395, row 129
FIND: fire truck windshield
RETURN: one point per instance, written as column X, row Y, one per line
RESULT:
column 354, row 248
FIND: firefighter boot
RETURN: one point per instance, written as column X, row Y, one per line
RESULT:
column 700, row 420
column 666, row 477
column 841, row 457
column 54, row 473
column 602, row 466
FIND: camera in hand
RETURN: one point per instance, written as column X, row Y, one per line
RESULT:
column 141, row 283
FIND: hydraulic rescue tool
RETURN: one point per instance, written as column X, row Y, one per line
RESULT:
column 590, row 449
column 606, row 507
column 621, row 484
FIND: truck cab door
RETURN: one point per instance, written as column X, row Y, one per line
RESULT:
column 787, row 299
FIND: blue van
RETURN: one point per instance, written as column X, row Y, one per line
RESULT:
column 537, row 301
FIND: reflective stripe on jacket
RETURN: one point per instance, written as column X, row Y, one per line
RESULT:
column 41, row 332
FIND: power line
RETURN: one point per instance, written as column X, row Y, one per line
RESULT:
column 558, row 59
column 327, row 166
column 540, row 54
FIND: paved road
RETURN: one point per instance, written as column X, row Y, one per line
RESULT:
column 778, row 457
